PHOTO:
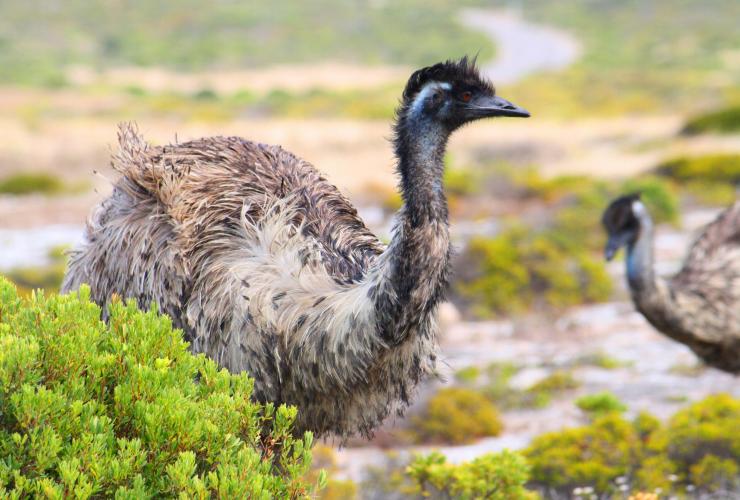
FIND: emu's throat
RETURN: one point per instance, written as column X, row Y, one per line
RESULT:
column 420, row 148
column 640, row 273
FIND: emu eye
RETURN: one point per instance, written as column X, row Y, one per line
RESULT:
column 466, row 96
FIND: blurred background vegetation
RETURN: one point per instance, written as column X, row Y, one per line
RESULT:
column 652, row 104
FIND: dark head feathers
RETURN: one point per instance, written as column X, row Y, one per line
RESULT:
column 462, row 72
column 618, row 215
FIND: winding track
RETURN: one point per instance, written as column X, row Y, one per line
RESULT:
column 522, row 48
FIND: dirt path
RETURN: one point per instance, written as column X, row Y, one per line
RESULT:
column 522, row 47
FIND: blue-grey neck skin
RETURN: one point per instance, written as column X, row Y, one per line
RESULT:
column 420, row 148
column 640, row 271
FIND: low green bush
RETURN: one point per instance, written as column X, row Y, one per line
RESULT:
column 708, row 428
column 468, row 375
column 123, row 409
column 724, row 121
column 696, row 452
column 456, row 415
column 20, row 184
column 600, row 359
column 600, row 404
column 48, row 277
column 494, row 476
column 521, row 268
column 721, row 168
column 593, row 455
column 557, row 381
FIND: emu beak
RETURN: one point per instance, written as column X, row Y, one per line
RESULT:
column 613, row 244
column 498, row 106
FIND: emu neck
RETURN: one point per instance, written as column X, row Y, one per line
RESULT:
column 651, row 296
column 415, row 265
column 420, row 148
column 640, row 270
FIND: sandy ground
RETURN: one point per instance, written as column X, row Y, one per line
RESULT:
column 290, row 77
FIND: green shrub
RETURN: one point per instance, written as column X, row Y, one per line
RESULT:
column 713, row 473
column 124, row 409
column 600, row 404
column 460, row 181
column 659, row 196
column 557, row 381
column 722, row 168
column 601, row 360
column 456, row 415
column 593, row 455
column 48, row 277
column 20, row 184
column 725, row 120
column 699, row 448
column 521, row 268
column 711, row 193
column 495, row 476
column 468, row 375
column 707, row 428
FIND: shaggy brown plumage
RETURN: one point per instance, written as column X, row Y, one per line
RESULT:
column 267, row 267
column 700, row 306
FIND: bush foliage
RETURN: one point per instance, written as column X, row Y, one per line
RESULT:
column 600, row 404
column 519, row 268
column 495, row 476
column 20, row 184
column 125, row 410
column 726, row 120
column 724, row 168
column 697, row 450
column 457, row 415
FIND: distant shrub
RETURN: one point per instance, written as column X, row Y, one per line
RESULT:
column 697, row 451
column 711, row 193
column 725, row 120
column 600, row 404
column 48, row 277
column 659, row 196
column 124, row 409
column 557, row 381
column 468, row 375
column 600, row 359
column 205, row 95
column 460, row 181
column 498, row 476
column 594, row 455
column 20, row 184
column 520, row 268
column 456, row 415
column 723, row 168
column 707, row 428
column 713, row 473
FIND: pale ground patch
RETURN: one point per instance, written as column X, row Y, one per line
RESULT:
column 290, row 77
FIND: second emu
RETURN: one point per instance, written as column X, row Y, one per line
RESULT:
column 268, row 268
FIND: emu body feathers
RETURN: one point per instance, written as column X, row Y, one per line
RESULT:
column 265, row 266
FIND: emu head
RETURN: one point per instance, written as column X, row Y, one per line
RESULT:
column 621, row 221
column 450, row 94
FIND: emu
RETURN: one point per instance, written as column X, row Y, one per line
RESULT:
column 267, row 268
column 700, row 306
